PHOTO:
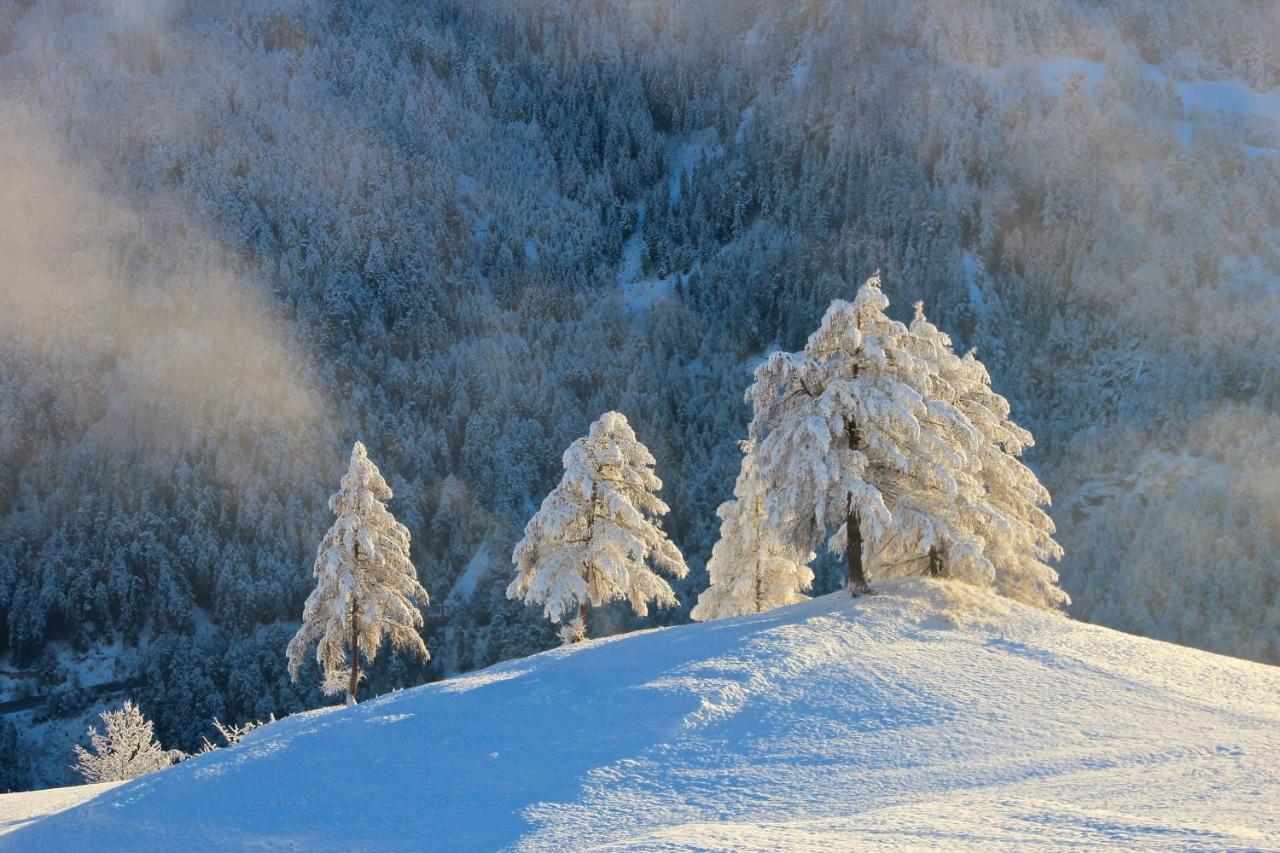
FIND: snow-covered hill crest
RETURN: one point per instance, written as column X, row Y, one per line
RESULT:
column 928, row 714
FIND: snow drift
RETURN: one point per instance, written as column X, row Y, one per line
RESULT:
column 928, row 714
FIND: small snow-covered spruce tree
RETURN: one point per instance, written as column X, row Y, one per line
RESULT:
column 848, row 438
column 750, row 569
column 127, row 748
column 1016, row 533
column 596, row 535
column 366, row 587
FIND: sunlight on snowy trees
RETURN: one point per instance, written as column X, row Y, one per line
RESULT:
column 879, row 436
column 366, row 587
column 847, row 443
column 596, row 534
column 1004, row 512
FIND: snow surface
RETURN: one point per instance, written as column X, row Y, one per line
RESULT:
column 931, row 714
column 741, row 132
column 17, row 810
column 643, row 294
column 1057, row 71
column 1232, row 96
column 640, row 294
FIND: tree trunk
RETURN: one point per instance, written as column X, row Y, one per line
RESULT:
column 355, row 656
column 853, row 553
column 935, row 563
column 853, row 531
column 587, row 568
column 759, row 603
column 355, row 635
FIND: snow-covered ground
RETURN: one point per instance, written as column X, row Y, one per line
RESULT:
column 18, row 810
column 928, row 715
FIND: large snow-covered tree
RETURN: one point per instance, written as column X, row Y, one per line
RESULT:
column 1016, row 534
column 366, row 586
column 751, row 570
column 849, row 439
column 596, row 536
column 127, row 748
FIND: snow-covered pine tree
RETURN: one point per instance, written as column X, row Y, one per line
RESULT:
column 366, row 587
column 127, row 748
column 596, row 533
column 750, row 569
column 848, row 437
column 1016, row 533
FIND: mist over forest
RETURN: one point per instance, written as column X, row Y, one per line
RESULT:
column 234, row 240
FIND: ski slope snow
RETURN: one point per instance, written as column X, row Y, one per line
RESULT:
column 930, row 715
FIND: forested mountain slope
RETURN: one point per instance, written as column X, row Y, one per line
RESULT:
column 235, row 240
column 879, row 724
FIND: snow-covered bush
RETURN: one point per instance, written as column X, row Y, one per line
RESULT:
column 126, row 748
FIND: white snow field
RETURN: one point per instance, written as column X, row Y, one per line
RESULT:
column 928, row 716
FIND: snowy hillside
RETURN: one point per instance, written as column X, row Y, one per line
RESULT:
column 907, row 719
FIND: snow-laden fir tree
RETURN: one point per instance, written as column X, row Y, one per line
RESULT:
column 849, row 440
column 127, row 748
column 366, row 586
column 596, row 537
column 750, row 569
column 1016, row 533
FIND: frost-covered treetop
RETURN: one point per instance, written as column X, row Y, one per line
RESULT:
column 855, row 340
column 966, row 382
column 595, row 536
column 363, row 574
column 361, row 492
column 613, row 462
